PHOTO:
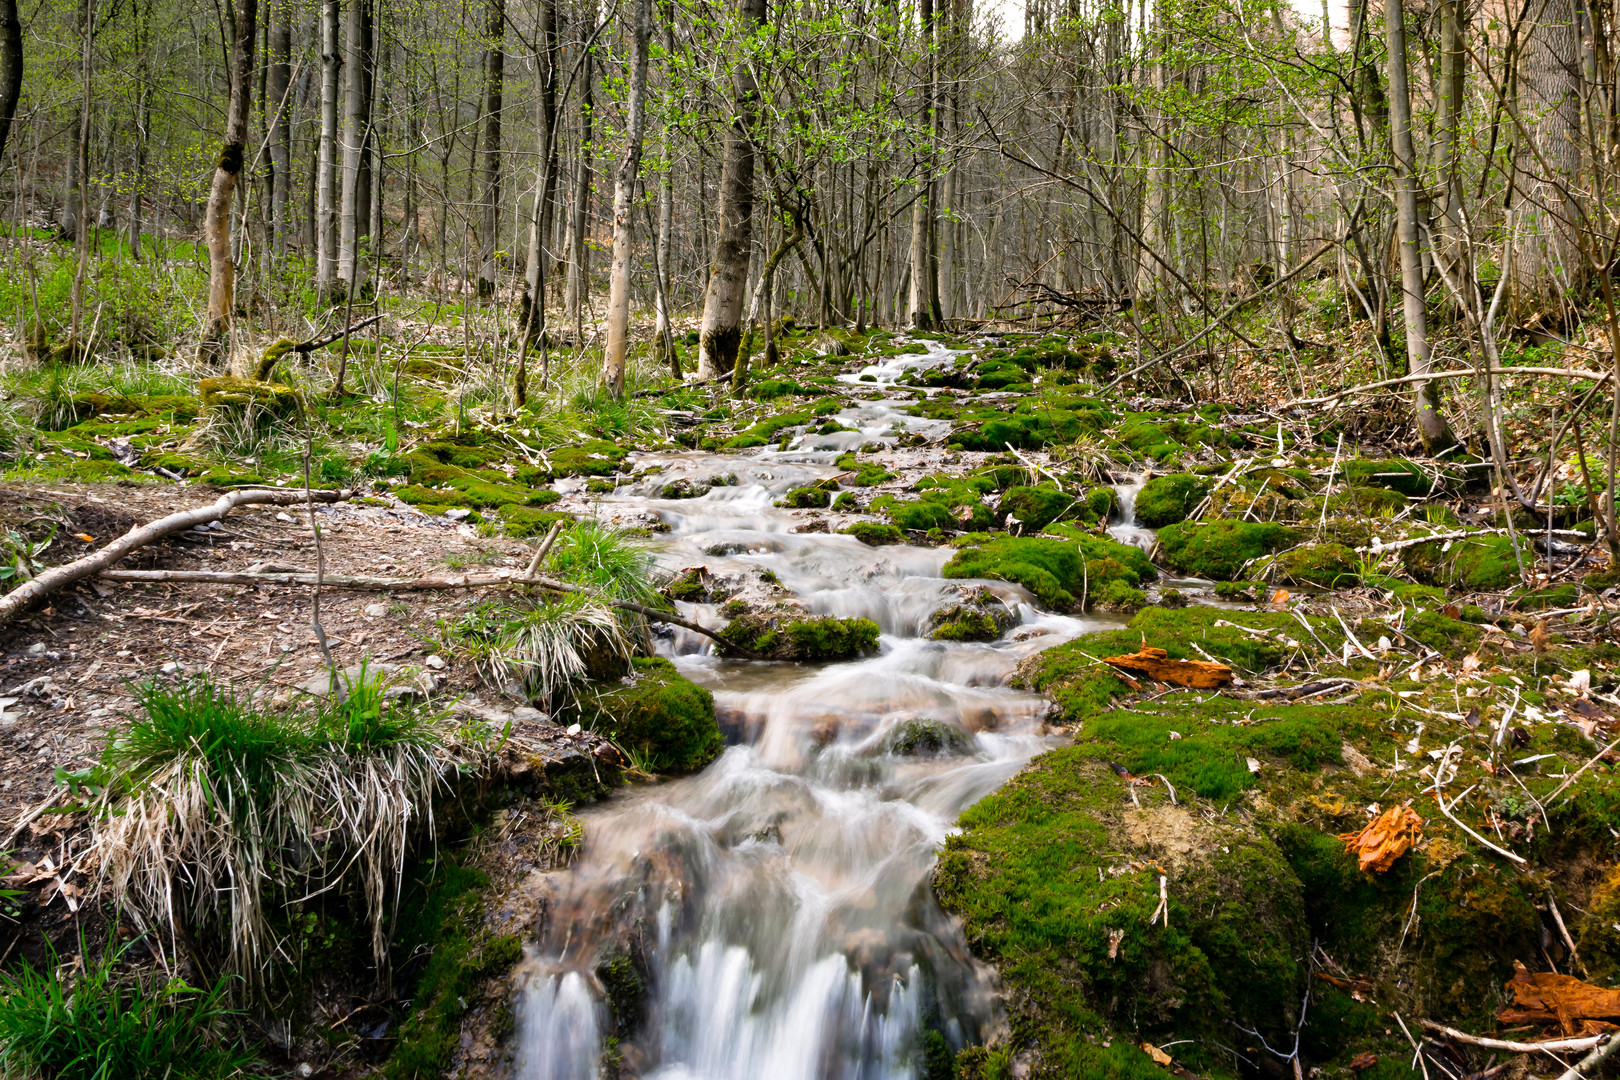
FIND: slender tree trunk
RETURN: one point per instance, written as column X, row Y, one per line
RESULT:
column 1549, row 261
column 532, row 310
column 666, row 196
column 624, row 197
column 924, row 268
column 278, row 107
column 1150, row 275
column 1453, row 64
column 326, row 180
column 1431, row 424
column 227, row 172
column 577, row 287
column 720, row 333
column 489, row 219
column 354, row 212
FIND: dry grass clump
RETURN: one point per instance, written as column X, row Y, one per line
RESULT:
column 215, row 812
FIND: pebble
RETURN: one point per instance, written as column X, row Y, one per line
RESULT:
column 123, row 652
column 458, row 514
column 283, row 517
column 376, row 611
column 171, row 667
column 573, row 729
column 436, row 662
column 526, row 712
column 37, row 649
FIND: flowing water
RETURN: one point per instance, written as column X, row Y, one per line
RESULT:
column 779, row 900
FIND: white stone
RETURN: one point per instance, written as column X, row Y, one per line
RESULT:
column 283, row 517
column 436, row 662
column 458, row 514
column 573, row 729
column 37, row 649
column 376, row 611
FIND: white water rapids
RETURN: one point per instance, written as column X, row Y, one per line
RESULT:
column 779, row 900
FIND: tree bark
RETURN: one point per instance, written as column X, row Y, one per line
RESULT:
column 489, row 208
column 924, row 267
column 1431, row 424
column 227, row 172
column 720, row 333
column 577, row 286
column 532, row 310
column 355, row 210
column 624, row 191
column 11, row 68
column 278, row 107
column 326, row 174
column 1548, row 262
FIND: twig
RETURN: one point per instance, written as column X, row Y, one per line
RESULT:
column 1413, row 541
column 1584, row 1043
column 1558, row 917
column 1446, row 810
column 35, row 589
column 1415, row 1045
column 541, row 551
column 1600, row 1053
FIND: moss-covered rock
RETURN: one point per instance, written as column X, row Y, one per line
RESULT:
column 943, row 502
column 792, row 635
column 874, row 533
column 659, row 714
column 1028, row 510
column 1220, row 549
column 977, row 615
column 1325, row 566
column 811, row 497
column 530, row 521
column 920, row 737
column 1056, row 878
column 1061, row 573
column 1484, row 563
column 862, row 473
column 1166, row 500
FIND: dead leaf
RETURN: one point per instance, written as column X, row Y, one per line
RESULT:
column 1541, row 997
column 1386, row 839
column 1279, row 598
column 1587, row 709
column 1364, row 1060
column 1159, row 1056
column 1114, row 938
column 1470, row 663
column 1539, row 638
column 1451, row 611
column 1156, row 664
column 86, row 537
column 1472, row 719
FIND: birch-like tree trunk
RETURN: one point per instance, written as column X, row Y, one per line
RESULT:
column 920, row 311
column 1431, row 424
column 354, row 214
column 577, row 285
column 720, row 333
column 327, row 168
column 624, row 198
column 278, row 110
column 666, row 191
column 227, row 172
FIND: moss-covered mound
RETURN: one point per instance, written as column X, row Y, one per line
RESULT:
column 1478, row 563
column 919, row 737
column 1220, row 549
column 943, row 502
column 1057, row 879
column 978, row 615
column 874, row 533
column 1063, row 574
column 1166, row 500
column 792, row 635
column 661, row 715
column 231, row 392
column 1030, row 509
column 1325, row 566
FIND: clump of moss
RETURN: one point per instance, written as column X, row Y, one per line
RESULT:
column 944, row 502
column 1326, row 566
column 1372, row 501
column 661, row 715
column 1220, row 549
column 978, row 615
column 1056, row 879
column 919, row 737
column 522, row 521
column 1031, row 509
column 1166, row 500
column 1407, row 477
column 790, row 635
column 1061, row 573
column 874, row 534
column 232, row 392
column 866, row 473
column 806, row 498
column 1482, row 563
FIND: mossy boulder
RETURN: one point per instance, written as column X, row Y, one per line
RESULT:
column 811, row 497
column 920, row 737
column 232, row 392
column 1056, row 878
column 593, row 457
column 1030, row 509
column 1325, row 566
column 1063, row 574
column 792, row 635
column 874, row 533
column 862, row 473
column 1407, row 477
column 1220, row 549
column 977, row 615
column 1371, row 501
column 1481, row 563
column 659, row 713
column 529, row 521
column 943, row 502
column 1166, row 500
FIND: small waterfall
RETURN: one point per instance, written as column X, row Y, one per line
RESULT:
column 1125, row 529
column 558, row 1038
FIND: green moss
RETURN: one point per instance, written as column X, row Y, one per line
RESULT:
column 1034, row 508
column 593, row 457
column 440, row 914
column 528, row 521
column 1166, row 500
column 1483, row 563
column 1220, row 549
column 804, row 498
column 1055, row 877
column 1406, row 477
column 662, row 715
column 1371, row 501
column 874, row 533
column 1326, row 566
column 231, row 392
column 1058, row 572
column 866, row 473
column 787, row 637
column 1448, row 637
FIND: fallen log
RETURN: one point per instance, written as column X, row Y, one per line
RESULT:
column 1156, row 664
column 37, row 588
column 491, row 580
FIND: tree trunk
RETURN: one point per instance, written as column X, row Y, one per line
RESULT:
column 624, row 193
column 1150, row 275
column 227, row 171
column 666, row 197
column 489, row 209
column 1431, row 424
column 11, row 67
column 924, row 268
column 1448, row 116
column 355, row 211
column 326, row 179
column 720, row 332
column 578, row 285
column 278, row 108
column 1549, row 261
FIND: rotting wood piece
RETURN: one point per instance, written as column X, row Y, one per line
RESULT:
column 1156, row 664
column 1541, row 997
column 32, row 591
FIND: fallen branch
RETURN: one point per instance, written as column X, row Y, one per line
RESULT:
column 1569, row 373
column 1584, row 1043
column 1572, row 777
column 1379, row 548
column 493, row 580
column 1600, row 1053
column 35, row 589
